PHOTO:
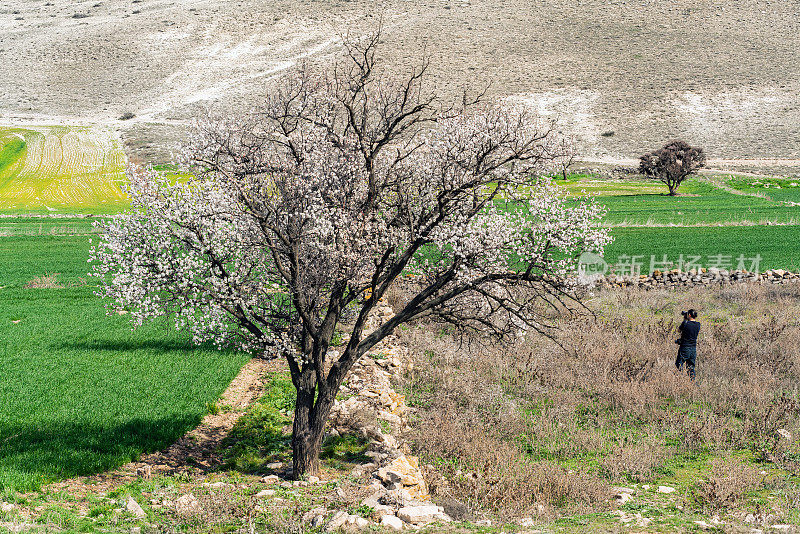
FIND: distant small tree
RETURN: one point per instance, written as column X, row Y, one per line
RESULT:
column 672, row 163
column 564, row 155
column 318, row 202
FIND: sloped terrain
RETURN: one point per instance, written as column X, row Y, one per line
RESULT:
column 722, row 74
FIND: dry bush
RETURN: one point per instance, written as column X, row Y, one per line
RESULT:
column 510, row 412
column 486, row 471
column 729, row 481
column 635, row 462
column 46, row 281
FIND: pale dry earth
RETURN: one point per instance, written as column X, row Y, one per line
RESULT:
column 723, row 74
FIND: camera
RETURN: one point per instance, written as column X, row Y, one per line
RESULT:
column 685, row 314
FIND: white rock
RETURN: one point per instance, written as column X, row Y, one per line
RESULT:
column 526, row 522
column 7, row 507
column 750, row 518
column 666, row 489
column 218, row 485
column 271, row 479
column 187, row 504
column 622, row 498
column 392, row 521
column 133, row 507
column 382, row 510
column 785, row 434
column 265, row 493
column 422, row 514
column 358, row 521
column 338, row 520
column 782, row 527
column 314, row 480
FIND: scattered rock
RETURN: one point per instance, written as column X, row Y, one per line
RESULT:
column 187, row 505
column 7, row 507
column 271, row 479
column 392, row 521
column 526, row 522
column 404, row 472
column 666, row 489
column 133, row 507
column 314, row 480
column 338, row 520
column 785, row 434
column 265, row 493
column 422, row 514
column 218, row 485
column 622, row 498
column 357, row 521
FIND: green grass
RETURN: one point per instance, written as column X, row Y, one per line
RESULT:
column 777, row 245
column 643, row 203
column 706, row 221
column 258, row 437
column 80, row 392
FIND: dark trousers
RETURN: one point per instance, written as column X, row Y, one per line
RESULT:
column 686, row 356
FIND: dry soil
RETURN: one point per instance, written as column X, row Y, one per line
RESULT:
column 724, row 74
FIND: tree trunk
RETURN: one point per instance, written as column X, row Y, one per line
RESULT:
column 306, row 436
column 673, row 188
column 308, row 430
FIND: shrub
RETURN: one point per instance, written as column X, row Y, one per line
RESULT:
column 521, row 415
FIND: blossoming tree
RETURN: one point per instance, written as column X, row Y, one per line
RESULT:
column 314, row 205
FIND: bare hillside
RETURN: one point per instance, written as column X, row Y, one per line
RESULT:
column 724, row 74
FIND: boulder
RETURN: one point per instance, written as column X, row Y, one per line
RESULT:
column 404, row 472
column 392, row 522
column 422, row 515
column 338, row 520
column 133, row 507
column 187, row 505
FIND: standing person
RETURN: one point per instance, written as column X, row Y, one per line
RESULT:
column 687, row 351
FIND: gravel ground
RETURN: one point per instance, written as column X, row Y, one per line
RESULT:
column 723, row 74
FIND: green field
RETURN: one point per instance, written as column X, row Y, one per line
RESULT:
column 777, row 246
column 701, row 203
column 79, row 391
column 55, row 169
column 721, row 221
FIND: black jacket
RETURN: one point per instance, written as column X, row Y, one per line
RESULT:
column 689, row 331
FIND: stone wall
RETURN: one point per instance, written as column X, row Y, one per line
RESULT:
column 704, row 277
